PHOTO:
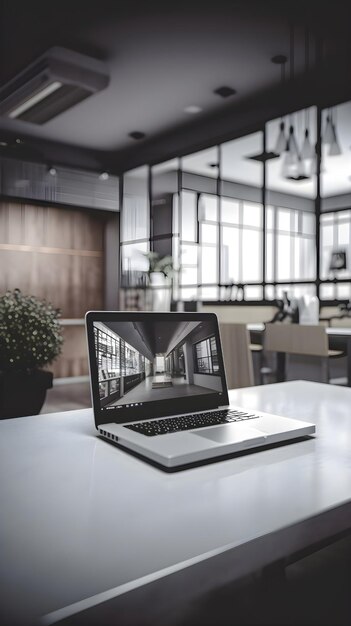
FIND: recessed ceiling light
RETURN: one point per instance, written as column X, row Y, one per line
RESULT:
column 104, row 176
column 192, row 109
column 52, row 170
column 225, row 92
column 136, row 134
column 3, row 144
column 19, row 141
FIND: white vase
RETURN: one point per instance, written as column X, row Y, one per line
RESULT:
column 161, row 291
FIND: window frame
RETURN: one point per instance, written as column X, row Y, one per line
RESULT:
column 210, row 357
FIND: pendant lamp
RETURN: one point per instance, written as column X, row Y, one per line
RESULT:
column 307, row 150
column 328, row 136
column 334, row 149
column 281, row 142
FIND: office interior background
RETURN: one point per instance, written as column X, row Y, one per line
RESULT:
column 208, row 140
column 221, row 138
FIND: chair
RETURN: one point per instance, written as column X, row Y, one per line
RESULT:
column 257, row 362
column 340, row 322
column 339, row 366
column 306, row 349
column 237, row 356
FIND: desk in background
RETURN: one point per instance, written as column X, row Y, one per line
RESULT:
column 83, row 522
column 342, row 334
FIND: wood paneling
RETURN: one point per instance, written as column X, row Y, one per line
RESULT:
column 56, row 254
column 53, row 253
column 74, row 358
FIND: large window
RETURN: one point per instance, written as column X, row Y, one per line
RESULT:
column 336, row 238
column 108, row 353
column 134, row 361
column 290, row 250
column 243, row 214
column 241, row 242
column 135, row 228
column 187, row 226
column 221, row 246
column 206, row 356
column 335, row 222
column 116, row 357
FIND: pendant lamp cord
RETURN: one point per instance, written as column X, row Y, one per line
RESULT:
column 307, row 69
column 292, row 52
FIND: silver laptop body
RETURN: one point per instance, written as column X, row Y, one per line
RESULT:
column 159, row 390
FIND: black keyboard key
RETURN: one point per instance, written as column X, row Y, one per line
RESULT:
column 189, row 422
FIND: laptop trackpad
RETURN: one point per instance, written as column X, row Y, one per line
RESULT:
column 232, row 433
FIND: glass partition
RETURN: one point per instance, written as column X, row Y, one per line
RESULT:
column 290, row 160
column 240, row 218
column 335, row 223
column 135, row 233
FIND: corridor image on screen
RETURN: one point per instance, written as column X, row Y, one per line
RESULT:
column 150, row 361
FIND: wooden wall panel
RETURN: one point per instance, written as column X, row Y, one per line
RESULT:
column 74, row 358
column 57, row 254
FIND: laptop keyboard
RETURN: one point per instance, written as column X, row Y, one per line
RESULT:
column 189, row 422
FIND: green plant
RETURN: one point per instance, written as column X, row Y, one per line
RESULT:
column 160, row 264
column 30, row 333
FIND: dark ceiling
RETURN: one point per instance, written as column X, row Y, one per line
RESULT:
column 162, row 59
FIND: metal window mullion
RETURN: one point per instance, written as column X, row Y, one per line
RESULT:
column 199, row 257
column 121, row 218
column 198, row 251
column 197, row 212
column 264, row 195
column 241, row 227
column 292, row 244
column 219, row 235
column 179, row 193
column 334, row 245
column 275, row 247
column 318, row 196
column 151, row 217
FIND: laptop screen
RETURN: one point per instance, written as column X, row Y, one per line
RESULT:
column 155, row 364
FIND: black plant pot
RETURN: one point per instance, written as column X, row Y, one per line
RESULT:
column 23, row 393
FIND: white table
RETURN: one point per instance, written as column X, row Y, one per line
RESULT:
column 83, row 522
column 341, row 333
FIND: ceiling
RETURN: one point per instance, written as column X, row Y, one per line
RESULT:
column 161, row 59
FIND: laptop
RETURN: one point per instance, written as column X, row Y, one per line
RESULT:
column 159, row 390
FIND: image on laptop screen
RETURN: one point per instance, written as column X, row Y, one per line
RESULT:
column 153, row 361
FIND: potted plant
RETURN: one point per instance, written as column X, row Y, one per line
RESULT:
column 162, row 265
column 30, row 338
column 160, row 273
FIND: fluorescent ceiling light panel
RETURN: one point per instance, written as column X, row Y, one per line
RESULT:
column 38, row 97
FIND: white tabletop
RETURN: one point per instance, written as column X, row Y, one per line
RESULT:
column 344, row 332
column 334, row 330
column 256, row 326
column 80, row 517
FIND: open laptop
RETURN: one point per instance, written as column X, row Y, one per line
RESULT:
column 159, row 390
